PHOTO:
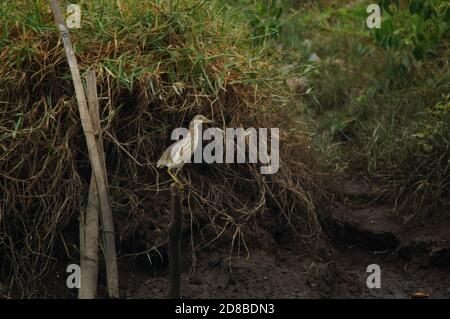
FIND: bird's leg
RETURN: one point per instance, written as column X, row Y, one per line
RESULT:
column 174, row 176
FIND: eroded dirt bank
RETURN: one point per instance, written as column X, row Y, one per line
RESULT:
column 359, row 232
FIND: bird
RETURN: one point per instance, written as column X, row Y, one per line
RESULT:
column 177, row 154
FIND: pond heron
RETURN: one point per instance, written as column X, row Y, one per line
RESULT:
column 181, row 151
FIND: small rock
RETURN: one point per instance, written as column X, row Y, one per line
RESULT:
column 297, row 84
column 314, row 58
column 420, row 295
column 307, row 44
column 195, row 281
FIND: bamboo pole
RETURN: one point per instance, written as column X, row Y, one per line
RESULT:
column 89, row 245
column 89, row 226
column 175, row 233
column 94, row 155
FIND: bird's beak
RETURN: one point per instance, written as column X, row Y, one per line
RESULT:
column 209, row 121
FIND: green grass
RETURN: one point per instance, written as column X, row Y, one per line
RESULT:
column 371, row 114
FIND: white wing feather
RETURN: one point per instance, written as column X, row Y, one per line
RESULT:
column 177, row 154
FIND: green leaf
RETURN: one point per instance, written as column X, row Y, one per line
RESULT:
column 426, row 12
column 414, row 6
column 405, row 61
column 378, row 35
column 421, row 38
column 419, row 52
column 386, row 43
column 394, row 41
column 385, row 5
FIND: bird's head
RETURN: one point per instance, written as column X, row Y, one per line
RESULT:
column 201, row 118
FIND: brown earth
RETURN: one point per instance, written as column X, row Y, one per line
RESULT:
column 413, row 258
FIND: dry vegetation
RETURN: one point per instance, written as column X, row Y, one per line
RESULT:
column 156, row 70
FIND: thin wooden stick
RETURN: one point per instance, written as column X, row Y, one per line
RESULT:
column 89, row 226
column 89, row 247
column 175, row 233
column 94, row 155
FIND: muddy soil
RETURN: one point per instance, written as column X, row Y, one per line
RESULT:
column 284, row 274
column 413, row 258
column 288, row 274
column 293, row 276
